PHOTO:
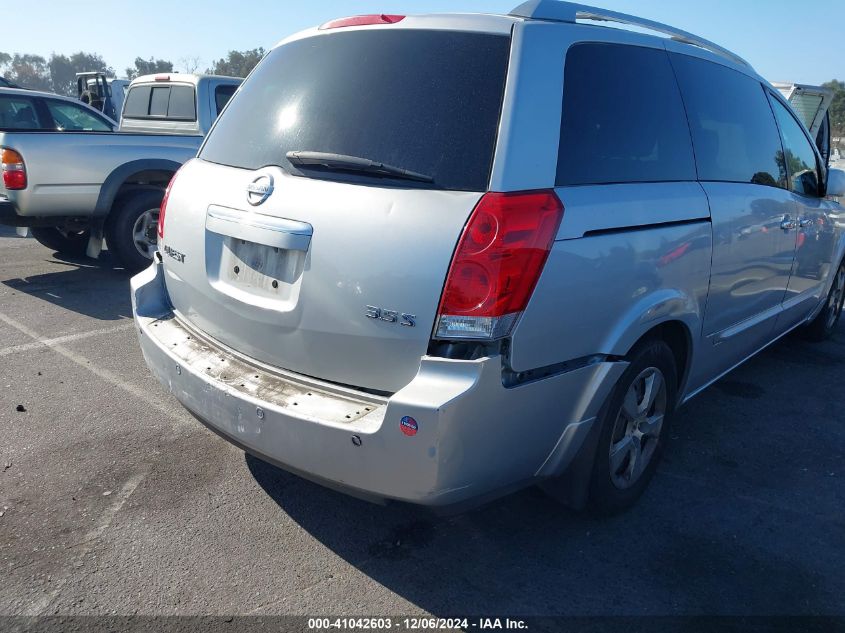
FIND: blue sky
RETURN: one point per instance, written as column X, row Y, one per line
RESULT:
column 783, row 39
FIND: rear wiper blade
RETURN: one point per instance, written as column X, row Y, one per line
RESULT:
column 342, row 162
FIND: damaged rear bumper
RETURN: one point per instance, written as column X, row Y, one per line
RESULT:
column 452, row 435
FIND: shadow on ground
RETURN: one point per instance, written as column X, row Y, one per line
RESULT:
column 95, row 288
column 716, row 533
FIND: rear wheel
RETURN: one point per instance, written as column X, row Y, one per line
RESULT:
column 634, row 426
column 131, row 231
column 73, row 243
column 824, row 325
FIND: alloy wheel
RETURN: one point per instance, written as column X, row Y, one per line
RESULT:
column 837, row 295
column 144, row 233
column 637, row 428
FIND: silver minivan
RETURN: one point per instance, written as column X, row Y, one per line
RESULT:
column 438, row 258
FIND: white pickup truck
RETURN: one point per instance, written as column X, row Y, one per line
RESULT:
column 74, row 178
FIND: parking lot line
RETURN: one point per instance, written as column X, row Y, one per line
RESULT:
column 40, row 607
column 69, row 338
column 105, row 374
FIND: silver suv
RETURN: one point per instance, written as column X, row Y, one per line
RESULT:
column 438, row 258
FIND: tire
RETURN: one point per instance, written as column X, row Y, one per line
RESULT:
column 824, row 325
column 73, row 243
column 630, row 446
column 124, row 224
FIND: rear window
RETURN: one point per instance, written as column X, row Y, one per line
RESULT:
column 424, row 101
column 137, row 104
column 623, row 118
column 733, row 128
column 161, row 102
column 182, row 104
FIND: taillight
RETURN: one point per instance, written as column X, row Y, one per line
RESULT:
column 14, row 170
column 163, row 208
column 362, row 20
column 498, row 261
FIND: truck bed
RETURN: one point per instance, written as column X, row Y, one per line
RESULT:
column 67, row 170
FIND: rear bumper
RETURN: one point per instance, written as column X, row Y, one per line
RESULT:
column 474, row 437
column 9, row 216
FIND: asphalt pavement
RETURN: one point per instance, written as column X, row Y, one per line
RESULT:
column 114, row 500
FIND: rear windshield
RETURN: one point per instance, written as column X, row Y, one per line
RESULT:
column 424, row 101
column 177, row 102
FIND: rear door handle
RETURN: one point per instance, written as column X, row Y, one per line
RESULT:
column 806, row 222
column 788, row 224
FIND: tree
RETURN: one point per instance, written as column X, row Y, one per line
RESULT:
column 5, row 58
column 237, row 63
column 63, row 70
column 837, row 108
column 149, row 67
column 29, row 71
column 190, row 65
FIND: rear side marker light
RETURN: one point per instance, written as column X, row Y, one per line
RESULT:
column 362, row 20
column 14, row 170
column 497, row 264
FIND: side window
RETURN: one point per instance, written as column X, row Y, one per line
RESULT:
column 733, row 130
column 623, row 118
column 69, row 117
column 801, row 160
column 222, row 94
column 18, row 113
column 137, row 105
column 823, row 139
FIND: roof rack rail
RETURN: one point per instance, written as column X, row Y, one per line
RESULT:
column 560, row 11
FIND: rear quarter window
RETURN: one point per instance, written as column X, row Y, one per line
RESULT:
column 424, row 101
column 623, row 118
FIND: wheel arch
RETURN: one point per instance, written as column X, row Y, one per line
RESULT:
column 678, row 337
column 837, row 261
column 572, row 486
column 138, row 174
column 670, row 315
